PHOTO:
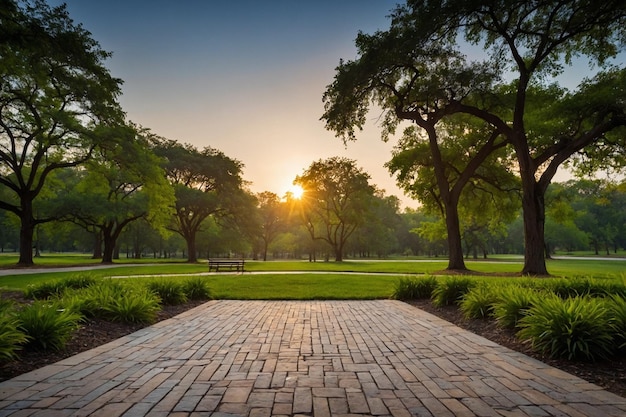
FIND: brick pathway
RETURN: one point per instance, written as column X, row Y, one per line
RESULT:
column 323, row 358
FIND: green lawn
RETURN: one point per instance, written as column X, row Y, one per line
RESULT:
column 315, row 280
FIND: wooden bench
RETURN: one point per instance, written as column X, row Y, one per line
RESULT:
column 226, row 264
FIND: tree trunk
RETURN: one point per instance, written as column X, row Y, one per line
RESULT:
column 97, row 245
column 338, row 254
column 191, row 248
column 109, row 245
column 533, row 207
column 455, row 247
column 27, row 230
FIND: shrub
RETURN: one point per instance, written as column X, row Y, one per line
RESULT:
column 513, row 304
column 56, row 288
column 79, row 281
column 581, row 286
column 114, row 301
column 137, row 306
column 479, row 302
column 414, row 288
column 47, row 326
column 574, row 328
column 92, row 301
column 44, row 290
column 170, row 291
column 10, row 336
column 451, row 290
column 197, row 288
column 617, row 310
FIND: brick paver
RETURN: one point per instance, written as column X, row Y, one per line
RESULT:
column 322, row 358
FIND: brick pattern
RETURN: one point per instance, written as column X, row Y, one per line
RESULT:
column 284, row 358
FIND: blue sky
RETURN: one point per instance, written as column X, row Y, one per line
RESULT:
column 245, row 77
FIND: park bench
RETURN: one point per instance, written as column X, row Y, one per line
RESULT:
column 226, row 264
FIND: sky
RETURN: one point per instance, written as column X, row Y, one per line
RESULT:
column 244, row 77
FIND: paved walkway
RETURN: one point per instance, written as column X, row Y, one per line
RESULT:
column 323, row 358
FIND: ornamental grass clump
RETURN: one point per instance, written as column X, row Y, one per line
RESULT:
column 11, row 338
column 415, row 288
column 170, row 291
column 56, row 288
column 93, row 301
column 197, row 288
column 136, row 306
column 80, row 281
column 479, row 302
column 47, row 326
column 617, row 310
column 582, row 286
column 114, row 301
column 513, row 303
column 450, row 291
column 578, row 328
column 44, row 290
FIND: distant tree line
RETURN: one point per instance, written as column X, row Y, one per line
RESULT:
column 582, row 215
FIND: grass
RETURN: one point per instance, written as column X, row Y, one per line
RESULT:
column 368, row 279
column 302, row 287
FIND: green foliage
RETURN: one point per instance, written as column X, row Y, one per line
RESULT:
column 170, row 291
column 115, row 301
column 197, row 288
column 55, row 288
column 47, row 326
column 479, row 302
column 46, row 289
column 574, row 328
column 617, row 310
column 581, row 286
column 93, row 301
column 414, row 288
column 133, row 307
column 513, row 304
column 79, row 281
column 10, row 336
column 451, row 290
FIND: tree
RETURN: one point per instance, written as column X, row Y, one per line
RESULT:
column 455, row 155
column 411, row 242
column 273, row 219
column 57, row 101
column 335, row 201
column 416, row 83
column 527, row 40
column 206, row 183
column 378, row 234
column 599, row 208
column 119, row 186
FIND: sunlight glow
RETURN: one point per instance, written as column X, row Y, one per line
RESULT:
column 296, row 191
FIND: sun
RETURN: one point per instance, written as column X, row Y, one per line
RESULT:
column 295, row 191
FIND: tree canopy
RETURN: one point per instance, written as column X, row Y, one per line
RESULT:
column 335, row 200
column 206, row 183
column 58, row 102
column 416, row 71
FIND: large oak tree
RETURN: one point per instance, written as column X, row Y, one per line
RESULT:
column 206, row 183
column 335, row 201
column 528, row 42
column 57, row 102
